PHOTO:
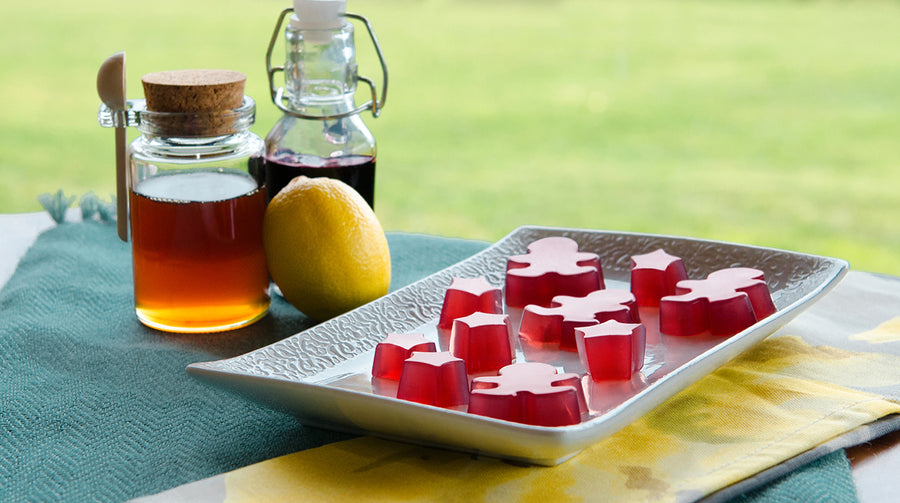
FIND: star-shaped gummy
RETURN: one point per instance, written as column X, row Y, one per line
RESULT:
column 394, row 349
column 483, row 340
column 465, row 296
column 557, row 324
column 530, row 393
column 654, row 275
column 611, row 350
column 725, row 303
column 437, row 379
column 552, row 266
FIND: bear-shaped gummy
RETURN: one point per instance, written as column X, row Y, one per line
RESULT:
column 466, row 296
column 654, row 275
column 725, row 303
column 530, row 393
column 394, row 350
column 552, row 266
column 611, row 350
column 556, row 324
column 483, row 341
column 434, row 378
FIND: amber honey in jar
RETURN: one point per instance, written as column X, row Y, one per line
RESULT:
column 197, row 202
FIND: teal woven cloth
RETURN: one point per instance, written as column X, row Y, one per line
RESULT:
column 97, row 407
column 826, row 479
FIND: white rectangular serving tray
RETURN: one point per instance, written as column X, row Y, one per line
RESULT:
column 323, row 374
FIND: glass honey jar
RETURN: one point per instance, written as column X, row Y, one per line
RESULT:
column 197, row 199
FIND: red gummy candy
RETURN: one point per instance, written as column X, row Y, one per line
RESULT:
column 753, row 283
column 393, row 350
column 530, row 393
column 611, row 350
column 553, row 266
column 483, row 340
column 654, row 275
column 725, row 303
column 557, row 324
column 437, row 379
column 469, row 295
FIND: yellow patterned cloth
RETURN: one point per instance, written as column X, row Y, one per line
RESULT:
column 777, row 400
column 785, row 396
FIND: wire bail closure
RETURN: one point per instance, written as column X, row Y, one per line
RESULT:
column 277, row 93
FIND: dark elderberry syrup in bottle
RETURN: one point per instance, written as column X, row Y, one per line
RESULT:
column 321, row 132
column 357, row 171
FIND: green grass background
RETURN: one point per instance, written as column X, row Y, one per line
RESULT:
column 767, row 122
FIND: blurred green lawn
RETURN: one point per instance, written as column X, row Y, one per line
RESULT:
column 766, row 122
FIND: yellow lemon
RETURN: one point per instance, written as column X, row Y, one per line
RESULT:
column 325, row 248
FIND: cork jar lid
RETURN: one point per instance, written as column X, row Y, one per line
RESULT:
column 194, row 102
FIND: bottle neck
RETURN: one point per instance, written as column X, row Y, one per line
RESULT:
column 321, row 70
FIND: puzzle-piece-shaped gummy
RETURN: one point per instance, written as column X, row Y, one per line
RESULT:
column 432, row 378
column 483, row 340
column 553, row 266
column 611, row 350
column 556, row 324
column 654, row 275
column 725, row 303
column 394, row 350
column 465, row 296
column 530, row 393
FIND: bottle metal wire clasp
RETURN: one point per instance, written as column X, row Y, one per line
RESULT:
column 277, row 93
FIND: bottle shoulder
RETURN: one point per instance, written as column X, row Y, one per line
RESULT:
column 326, row 138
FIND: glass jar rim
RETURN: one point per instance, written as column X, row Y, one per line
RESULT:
column 182, row 124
